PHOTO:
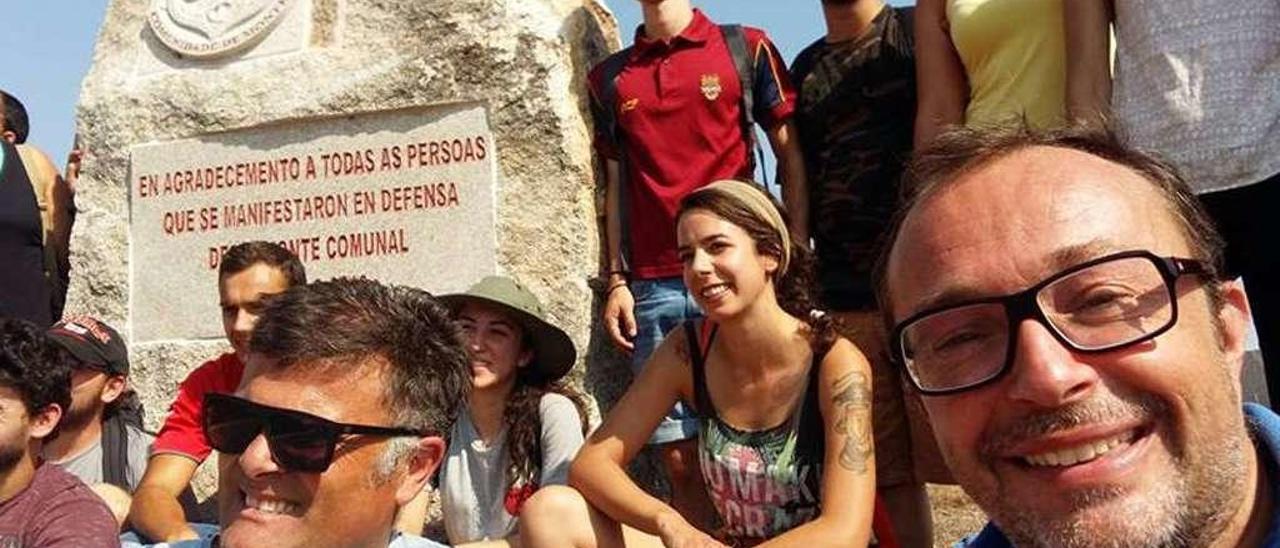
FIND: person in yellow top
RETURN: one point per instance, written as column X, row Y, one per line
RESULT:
column 988, row 62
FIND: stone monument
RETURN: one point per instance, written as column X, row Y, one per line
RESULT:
column 423, row 142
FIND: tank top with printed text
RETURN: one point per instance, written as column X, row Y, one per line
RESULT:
column 761, row 482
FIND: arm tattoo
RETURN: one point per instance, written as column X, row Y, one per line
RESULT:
column 852, row 402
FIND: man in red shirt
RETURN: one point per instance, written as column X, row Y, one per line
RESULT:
column 669, row 122
column 249, row 273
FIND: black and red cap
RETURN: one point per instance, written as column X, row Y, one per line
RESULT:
column 93, row 342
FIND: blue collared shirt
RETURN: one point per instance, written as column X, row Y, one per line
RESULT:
column 1263, row 424
column 209, row 538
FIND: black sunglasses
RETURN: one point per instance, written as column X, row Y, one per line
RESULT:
column 298, row 441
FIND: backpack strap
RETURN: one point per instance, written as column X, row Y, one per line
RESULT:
column 744, row 63
column 607, row 113
column 115, row 452
column 610, row 70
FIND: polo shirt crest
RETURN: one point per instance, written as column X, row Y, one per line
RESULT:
column 711, row 86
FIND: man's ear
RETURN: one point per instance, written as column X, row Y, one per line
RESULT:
column 44, row 421
column 114, row 388
column 422, row 464
column 1233, row 324
column 10, row 136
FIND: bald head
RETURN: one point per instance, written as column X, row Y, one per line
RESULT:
column 1083, row 152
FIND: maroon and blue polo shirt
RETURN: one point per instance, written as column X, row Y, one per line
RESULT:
column 679, row 113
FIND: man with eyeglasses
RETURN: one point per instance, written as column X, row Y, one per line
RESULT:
column 1054, row 297
column 340, row 417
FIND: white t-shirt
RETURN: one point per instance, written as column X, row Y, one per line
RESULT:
column 473, row 479
column 1198, row 81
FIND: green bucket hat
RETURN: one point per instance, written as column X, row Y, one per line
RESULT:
column 553, row 351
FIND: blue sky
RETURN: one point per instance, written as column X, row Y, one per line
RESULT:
column 44, row 53
column 47, row 47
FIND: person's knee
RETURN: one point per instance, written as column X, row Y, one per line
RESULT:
column 117, row 500
column 680, row 459
column 552, row 515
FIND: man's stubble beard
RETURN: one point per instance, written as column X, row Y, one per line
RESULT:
column 1189, row 510
column 76, row 419
column 10, row 456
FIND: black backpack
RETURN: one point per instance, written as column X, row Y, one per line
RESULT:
column 115, row 440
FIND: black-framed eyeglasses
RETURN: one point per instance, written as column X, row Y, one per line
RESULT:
column 298, row 441
column 1096, row 306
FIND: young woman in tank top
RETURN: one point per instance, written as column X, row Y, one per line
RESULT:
column 784, row 404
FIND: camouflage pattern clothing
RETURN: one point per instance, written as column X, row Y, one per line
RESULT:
column 855, row 113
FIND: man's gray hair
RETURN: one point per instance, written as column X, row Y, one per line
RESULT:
column 343, row 322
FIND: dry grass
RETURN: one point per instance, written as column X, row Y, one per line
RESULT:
column 954, row 515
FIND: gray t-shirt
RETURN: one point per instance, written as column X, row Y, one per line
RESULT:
column 88, row 464
column 473, row 480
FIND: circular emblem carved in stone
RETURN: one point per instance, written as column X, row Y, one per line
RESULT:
column 209, row 28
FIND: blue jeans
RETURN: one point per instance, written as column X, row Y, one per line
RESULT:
column 207, row 532
column 662, row 304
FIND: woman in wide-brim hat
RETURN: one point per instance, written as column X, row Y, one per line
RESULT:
column 522, row 426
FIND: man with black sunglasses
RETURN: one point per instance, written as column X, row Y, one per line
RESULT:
column 340, row 417
column 1054, row 297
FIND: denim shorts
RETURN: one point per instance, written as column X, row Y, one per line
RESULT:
column 662, row 304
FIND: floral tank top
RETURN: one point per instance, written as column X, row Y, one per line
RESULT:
column 764, row 482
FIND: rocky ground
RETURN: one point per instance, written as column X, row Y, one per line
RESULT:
column 954, row 515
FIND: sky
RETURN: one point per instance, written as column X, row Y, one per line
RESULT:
column 47, row 47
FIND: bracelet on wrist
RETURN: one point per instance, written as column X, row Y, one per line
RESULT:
column 614, row 287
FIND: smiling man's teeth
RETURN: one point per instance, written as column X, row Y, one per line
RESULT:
column 714, row 290
column 270, row 506
column 1079, row 454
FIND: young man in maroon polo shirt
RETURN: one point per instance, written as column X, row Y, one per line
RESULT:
column 677, row 107
column 249, row 273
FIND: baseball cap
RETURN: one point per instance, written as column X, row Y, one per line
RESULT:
column 93, row 343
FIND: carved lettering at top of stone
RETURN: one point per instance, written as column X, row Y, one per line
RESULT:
column 210, row 28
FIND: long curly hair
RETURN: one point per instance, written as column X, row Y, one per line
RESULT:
column 749, row 207
column 523, row 421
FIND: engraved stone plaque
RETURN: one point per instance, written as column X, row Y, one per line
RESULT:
column 404, row 196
